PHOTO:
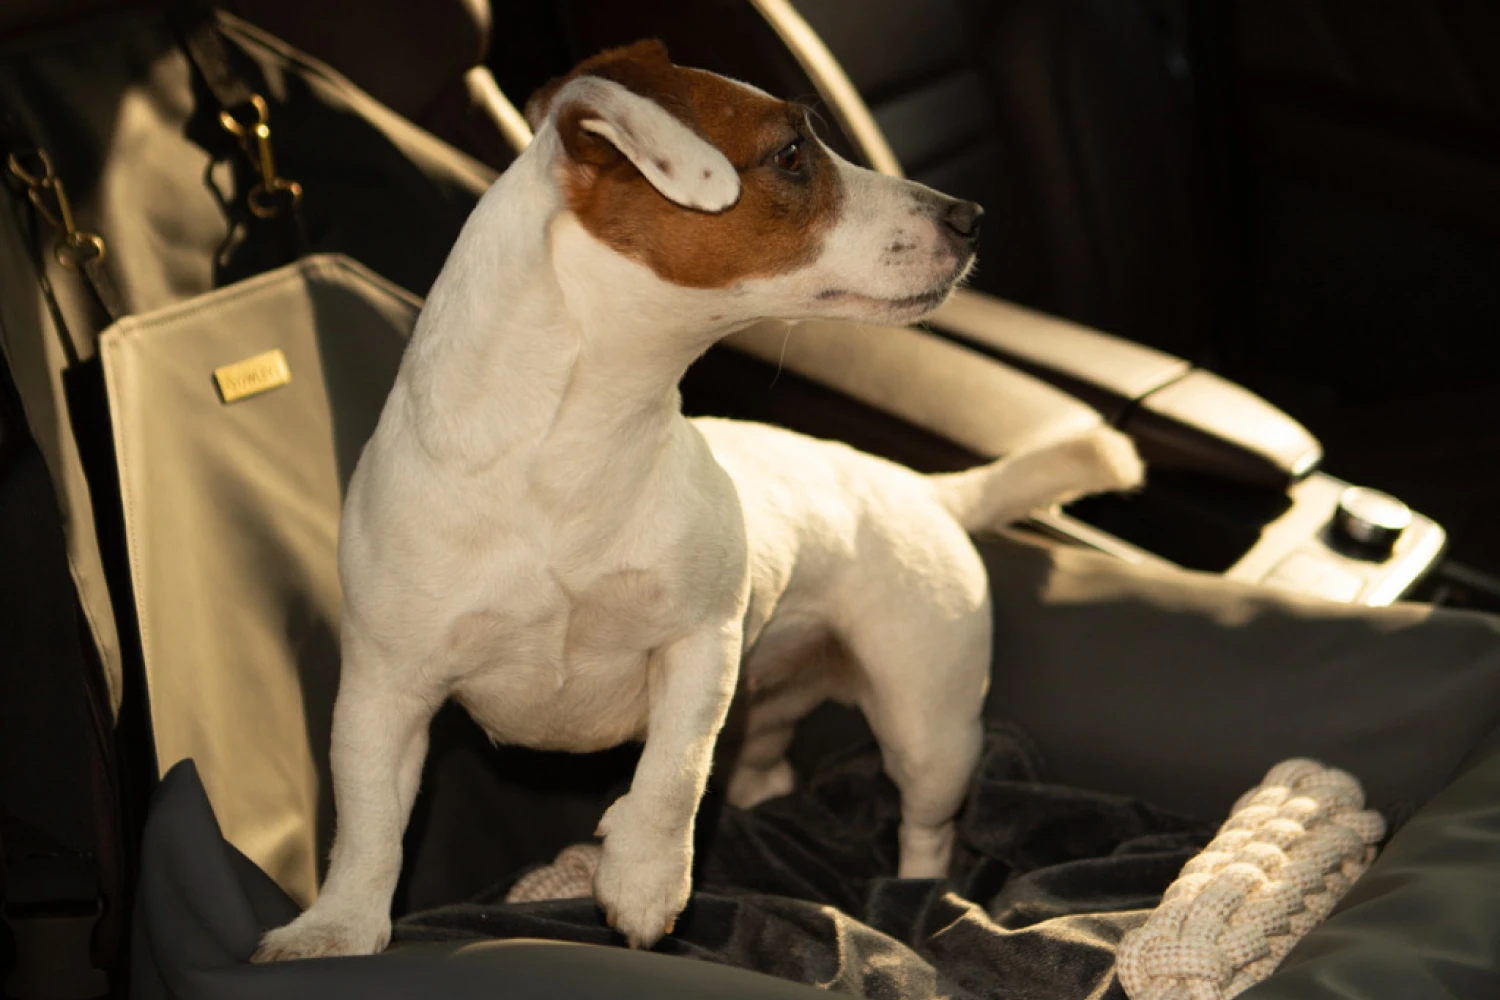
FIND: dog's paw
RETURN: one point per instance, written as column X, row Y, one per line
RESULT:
column 1113, row 461
column 750, row 786
column 315, row 935
column 644, row 875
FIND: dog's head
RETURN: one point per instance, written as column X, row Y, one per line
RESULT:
column 713, row 184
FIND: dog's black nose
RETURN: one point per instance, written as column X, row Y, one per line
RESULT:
column 963, row 217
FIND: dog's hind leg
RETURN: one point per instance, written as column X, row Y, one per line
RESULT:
column 761, row 770
column 380, row 732
column 924, row 678
column 803, row 677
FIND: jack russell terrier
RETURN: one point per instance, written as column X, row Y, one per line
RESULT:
column 536, row 530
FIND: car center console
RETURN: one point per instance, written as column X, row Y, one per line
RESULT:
column 1233, row 487
column 1322, row 537
column 1181, row 417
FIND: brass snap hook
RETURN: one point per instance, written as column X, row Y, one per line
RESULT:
column 266, row 199
column 77, row 249
column 45, row 191
column 39, row 175
column 241, row 130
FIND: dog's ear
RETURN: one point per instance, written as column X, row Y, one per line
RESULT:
column 601, row 119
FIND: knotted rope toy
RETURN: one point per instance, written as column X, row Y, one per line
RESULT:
column 1290, row 850
column 1288, row 853
column 570, row 876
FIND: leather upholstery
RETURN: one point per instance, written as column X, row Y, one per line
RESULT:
column 404, row 55
column 1004, row 409
column 1060, row 116
column 371, row 43
column 413, row 58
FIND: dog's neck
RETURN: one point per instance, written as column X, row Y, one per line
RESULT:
column 537, row 335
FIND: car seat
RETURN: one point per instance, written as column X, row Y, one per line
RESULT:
column 1128, row 677
column 1295, row 196
column 1066, row 118
column 1063, row 119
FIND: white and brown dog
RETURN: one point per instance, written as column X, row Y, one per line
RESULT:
column 536, row 531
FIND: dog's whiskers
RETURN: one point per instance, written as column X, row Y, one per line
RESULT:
column 781, row 358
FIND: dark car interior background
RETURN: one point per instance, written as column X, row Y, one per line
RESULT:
column 1262, row 237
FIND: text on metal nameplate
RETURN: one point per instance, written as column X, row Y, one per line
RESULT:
column 252, row 376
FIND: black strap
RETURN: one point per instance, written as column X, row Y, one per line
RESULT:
column 103, row 287
column 57, row 796
column 205, row 45
column 52, row 772
column 274, row 201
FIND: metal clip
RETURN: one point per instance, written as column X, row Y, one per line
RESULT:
column 73, row 248
column 263, row 200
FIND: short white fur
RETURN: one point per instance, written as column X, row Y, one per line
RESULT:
column 536, row 531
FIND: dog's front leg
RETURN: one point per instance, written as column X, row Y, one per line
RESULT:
column 379, row 745
column 644, row 875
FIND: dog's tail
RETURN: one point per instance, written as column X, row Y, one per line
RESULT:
column 1039, row 475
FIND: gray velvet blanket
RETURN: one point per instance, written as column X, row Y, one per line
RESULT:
column 1045, row 881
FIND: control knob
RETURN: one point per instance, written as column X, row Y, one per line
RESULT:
column 1370, row 520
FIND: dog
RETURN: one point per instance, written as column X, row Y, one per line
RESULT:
column 535, row 530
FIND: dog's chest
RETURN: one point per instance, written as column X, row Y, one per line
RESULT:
column 559, row 667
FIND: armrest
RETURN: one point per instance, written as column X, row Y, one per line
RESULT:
column 981, row 405
column 965, row 407
column 1181, row 417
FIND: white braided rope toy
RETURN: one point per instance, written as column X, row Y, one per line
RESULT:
column 1290, row 850
column 570, row 876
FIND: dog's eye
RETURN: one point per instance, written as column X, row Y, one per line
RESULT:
column 790, row 158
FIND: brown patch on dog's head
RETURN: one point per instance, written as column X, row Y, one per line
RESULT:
column 790, row 192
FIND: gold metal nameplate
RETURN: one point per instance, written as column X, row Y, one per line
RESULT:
column 252, row 376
